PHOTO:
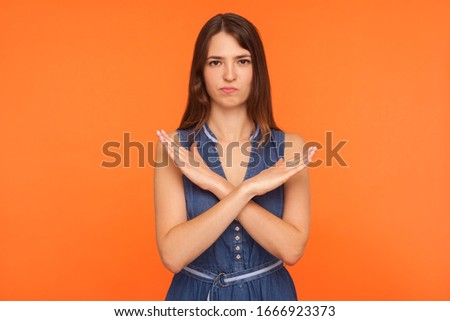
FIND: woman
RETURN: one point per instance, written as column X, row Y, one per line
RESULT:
column 230, row 211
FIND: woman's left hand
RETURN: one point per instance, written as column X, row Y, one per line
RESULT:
column 190, row 162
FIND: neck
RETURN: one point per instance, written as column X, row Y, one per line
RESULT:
column 230, row 126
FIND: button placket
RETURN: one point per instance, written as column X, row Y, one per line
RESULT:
column 237, row 243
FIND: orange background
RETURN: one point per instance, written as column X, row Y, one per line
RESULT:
column 75, row 75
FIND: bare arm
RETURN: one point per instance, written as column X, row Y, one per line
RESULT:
column 180, row 241
column 284, row 238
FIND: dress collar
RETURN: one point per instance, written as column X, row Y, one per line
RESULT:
column 210, row 135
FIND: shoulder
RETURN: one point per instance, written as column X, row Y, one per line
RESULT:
column 285, row 136
column 294, row 138
column 293, row 144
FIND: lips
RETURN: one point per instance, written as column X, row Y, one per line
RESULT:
column 228, row 90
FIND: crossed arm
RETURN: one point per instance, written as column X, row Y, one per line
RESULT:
column 181, row 241
column 284, row 238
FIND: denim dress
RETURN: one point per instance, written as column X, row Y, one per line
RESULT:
column 234, row 267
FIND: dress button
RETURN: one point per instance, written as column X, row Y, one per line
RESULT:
column 237, row 238
column 237, row 228
column 238, row 248
column 238, row 256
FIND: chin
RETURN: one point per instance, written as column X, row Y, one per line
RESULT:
column 229, row 104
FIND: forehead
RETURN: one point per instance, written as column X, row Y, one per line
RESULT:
column 223, row 44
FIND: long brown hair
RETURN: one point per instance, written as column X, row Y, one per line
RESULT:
column 259, row 103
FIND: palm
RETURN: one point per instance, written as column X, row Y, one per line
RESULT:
column 189, row 162
column 279, row 173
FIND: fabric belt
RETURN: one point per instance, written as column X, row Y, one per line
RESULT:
column 222, row 279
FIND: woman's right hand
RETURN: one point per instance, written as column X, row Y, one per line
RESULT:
column 190, row 162
column 279, row 173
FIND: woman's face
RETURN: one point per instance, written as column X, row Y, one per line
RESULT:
column 227, row 66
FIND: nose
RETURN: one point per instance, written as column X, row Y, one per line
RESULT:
column 229, row 72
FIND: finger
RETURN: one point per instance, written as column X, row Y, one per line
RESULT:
column 195, row 152
column 163, row 141
column 167, row 148
column 173, row 153
column 181, row 155
column 302, row 159
column 308, row 157
column 178, row 152
column 175, row 157
column 195, row 156
column 311, row 151
column 162, row 134
column 194, row 147
column 280, row 162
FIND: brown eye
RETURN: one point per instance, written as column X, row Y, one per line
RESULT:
column 214, row 62
column 245, row 61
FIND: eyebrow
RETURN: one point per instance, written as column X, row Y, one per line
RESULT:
column 237, row 57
